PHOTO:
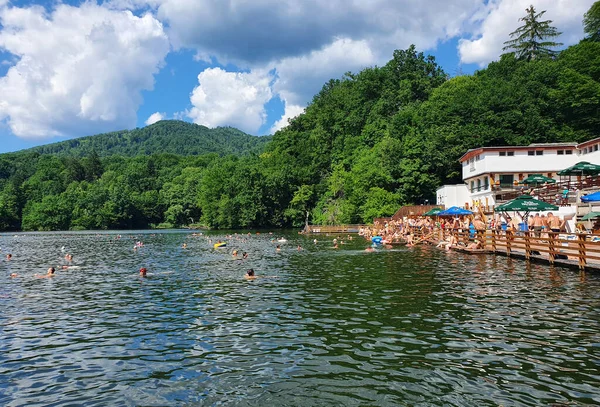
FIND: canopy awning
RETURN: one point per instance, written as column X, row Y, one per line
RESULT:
column 455, row 211
column 537, row 179
column 581, row 168
column 525, row 203
column 594, row 197
column 591, row 215
column 433, row 212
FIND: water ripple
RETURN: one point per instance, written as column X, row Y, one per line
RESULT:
column 408, row 326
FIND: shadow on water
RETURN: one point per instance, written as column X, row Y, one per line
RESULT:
column 320, row 326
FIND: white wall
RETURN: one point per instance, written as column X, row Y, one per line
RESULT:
column 521, row 162
column 452, row 195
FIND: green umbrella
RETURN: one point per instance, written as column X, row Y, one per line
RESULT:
column 525, row 203
column 432, row 212
column 591, row 215
column 536, row 179
column 581, row 168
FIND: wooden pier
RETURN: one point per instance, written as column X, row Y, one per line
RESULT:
column 579, row 250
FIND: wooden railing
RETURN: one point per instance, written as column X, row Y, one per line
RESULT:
column 579, row 250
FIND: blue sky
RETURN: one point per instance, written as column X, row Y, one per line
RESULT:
column 70, row 69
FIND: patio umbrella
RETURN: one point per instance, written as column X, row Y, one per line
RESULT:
column 595, row 197
column 591, row 215
column 455, row 211
column 525, row 203
column 581, row 168
column 537, row 179
column 433, row 212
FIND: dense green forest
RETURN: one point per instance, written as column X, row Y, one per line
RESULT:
column 366, row 144
column 165, row 136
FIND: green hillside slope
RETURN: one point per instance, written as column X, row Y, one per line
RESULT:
column 166, row 136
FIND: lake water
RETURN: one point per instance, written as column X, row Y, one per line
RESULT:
column 326, row 327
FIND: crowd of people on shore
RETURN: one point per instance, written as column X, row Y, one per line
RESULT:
column 405, row 229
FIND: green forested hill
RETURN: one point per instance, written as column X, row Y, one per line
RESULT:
column 165, row 136
column 366, row 144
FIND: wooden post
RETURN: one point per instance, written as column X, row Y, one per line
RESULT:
column 582, row 259
column 494, row 240
column 527, row 246
column 552, row 236
column 509, row 234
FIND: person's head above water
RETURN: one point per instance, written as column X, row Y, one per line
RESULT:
column 51, row 271
column 143, row 271
column 250, row 272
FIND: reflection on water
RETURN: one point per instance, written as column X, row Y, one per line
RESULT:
column 409, row 326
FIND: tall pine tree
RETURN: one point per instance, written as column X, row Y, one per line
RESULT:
column 530, row 40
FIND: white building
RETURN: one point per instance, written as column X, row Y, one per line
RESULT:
column 489, row 171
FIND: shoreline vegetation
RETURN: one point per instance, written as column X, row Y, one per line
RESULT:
column 368, row 143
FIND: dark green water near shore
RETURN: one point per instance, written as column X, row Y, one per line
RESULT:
column 408, row 326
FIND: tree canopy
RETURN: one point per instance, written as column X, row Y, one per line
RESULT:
column 591, row 22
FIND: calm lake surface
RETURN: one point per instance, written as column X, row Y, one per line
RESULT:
column 401, row 327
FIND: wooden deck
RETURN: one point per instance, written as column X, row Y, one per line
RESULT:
column 580, row 251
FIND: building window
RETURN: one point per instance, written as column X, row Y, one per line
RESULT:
column 472, row 186
column 539, row 152
column 531, row 153
column 560, row 152
column 585, row 150
column 478, row 185
column 506, row 180
column 510, row 153
column 596, row 147
column 502, row 153
column 569, row 152
column 486, row 183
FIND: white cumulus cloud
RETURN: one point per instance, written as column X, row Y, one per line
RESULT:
column 493, row 22
column 291, row 111
column 231, row 98
column 79, row 70
column 154, row 117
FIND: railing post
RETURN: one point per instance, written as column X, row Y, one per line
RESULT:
column 494, row 240
column 509, row 235
column 527, row 245
column 552, row 246
column 582, row 257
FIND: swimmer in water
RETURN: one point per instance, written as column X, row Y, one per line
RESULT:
column 278, row 248
column 245, row 255
column 250, row 274
column 369, row 249
column 184, row 246
column 234, row 254
column 8, row 256
column 143, row 272
column 299, row 248
column 49, row 273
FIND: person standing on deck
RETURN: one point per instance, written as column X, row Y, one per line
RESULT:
column 538, row 224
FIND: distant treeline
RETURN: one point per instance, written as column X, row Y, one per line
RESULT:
column 166, row 136
column 367, row 143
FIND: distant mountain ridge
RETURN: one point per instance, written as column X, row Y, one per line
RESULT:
column 165, row 136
